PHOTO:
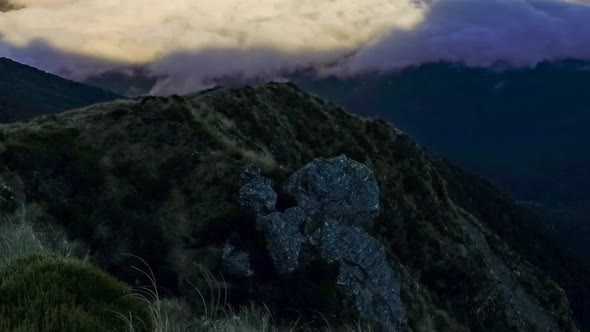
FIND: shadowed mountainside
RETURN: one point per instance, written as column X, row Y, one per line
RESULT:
column 133, row 176
column 523, row 128
column 26, row 92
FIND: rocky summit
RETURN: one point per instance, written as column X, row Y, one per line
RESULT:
column 291, row 203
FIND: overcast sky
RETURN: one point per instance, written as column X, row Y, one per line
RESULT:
column 189, row 40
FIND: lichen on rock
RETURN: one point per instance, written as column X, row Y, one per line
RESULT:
column 338, row 189
column 256, row 193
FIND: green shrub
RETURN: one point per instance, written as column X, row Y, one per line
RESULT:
column 49, row 293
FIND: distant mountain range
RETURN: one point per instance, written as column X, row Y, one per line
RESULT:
column 26, row 92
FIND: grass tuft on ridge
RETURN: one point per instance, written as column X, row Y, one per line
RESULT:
column 51, row 293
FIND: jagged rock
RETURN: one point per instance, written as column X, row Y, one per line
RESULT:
column 365, row 278
column 340, row 196
column 236, row 262
column 283, row 238
column 338, row 189
column 256, row 193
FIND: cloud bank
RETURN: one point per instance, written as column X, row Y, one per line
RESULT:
column 188, row 41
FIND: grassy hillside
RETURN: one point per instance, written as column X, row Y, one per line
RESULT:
column 26, row 92
column 157, row 177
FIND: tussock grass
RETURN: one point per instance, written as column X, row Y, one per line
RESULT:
column 214, row 314
column 168, row 315
column 41, row 255
column 17, row 237
column 50, row 293
column 20, row 237
column 47, row 283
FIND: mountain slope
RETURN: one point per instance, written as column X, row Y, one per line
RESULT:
column 158, row 177
column 26, row 92
column 524, row 128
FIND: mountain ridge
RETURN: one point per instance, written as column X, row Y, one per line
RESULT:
column 170, row 167
column 26, row 92
column 497, row 122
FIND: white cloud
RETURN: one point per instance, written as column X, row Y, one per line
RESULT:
column 188, row 40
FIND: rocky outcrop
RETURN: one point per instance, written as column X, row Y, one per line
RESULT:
column 256, row 193
column 337, row 190
column 367, row 281
column 236, row 262
column 335, row 198
column 283, row 238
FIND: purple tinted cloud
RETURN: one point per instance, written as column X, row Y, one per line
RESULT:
column 189, row 41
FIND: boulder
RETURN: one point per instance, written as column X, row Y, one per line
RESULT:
column 283, row 238
column 256, row 193
column 367, row 281
column 335, row 199
column 338, row 189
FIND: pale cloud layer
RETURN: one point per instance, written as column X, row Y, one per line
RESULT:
column 187, row 41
